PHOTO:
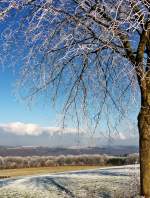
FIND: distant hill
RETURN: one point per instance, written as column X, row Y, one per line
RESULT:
column 46, row 151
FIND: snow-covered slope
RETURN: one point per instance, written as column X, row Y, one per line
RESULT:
column 104, row 182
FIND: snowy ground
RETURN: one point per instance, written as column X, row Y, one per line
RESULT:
column 115, row 182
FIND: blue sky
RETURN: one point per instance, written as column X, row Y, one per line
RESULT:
column 21, row 125
column 13, row 110
column 16, row 111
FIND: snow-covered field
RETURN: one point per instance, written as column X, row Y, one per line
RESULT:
column 115, row 182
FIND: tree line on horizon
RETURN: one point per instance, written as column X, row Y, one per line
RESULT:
column 71, row 160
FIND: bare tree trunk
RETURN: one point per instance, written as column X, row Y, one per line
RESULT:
column 144, row 147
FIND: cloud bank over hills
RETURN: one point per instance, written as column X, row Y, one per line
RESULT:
column 20, row 128
column 29, row 134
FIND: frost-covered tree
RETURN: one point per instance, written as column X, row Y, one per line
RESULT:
column 94, row 53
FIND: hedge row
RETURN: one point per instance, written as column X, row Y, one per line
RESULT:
column 46, row 161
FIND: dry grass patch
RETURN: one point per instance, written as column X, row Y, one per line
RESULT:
column 41, row 170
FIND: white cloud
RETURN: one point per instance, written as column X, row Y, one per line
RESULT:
column 21, row 128
column 27, row 130
column 122, row 136
column 119, row 136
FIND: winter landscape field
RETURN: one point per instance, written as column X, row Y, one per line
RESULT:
column 115, row 182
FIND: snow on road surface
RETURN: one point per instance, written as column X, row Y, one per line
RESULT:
column 109, row 182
